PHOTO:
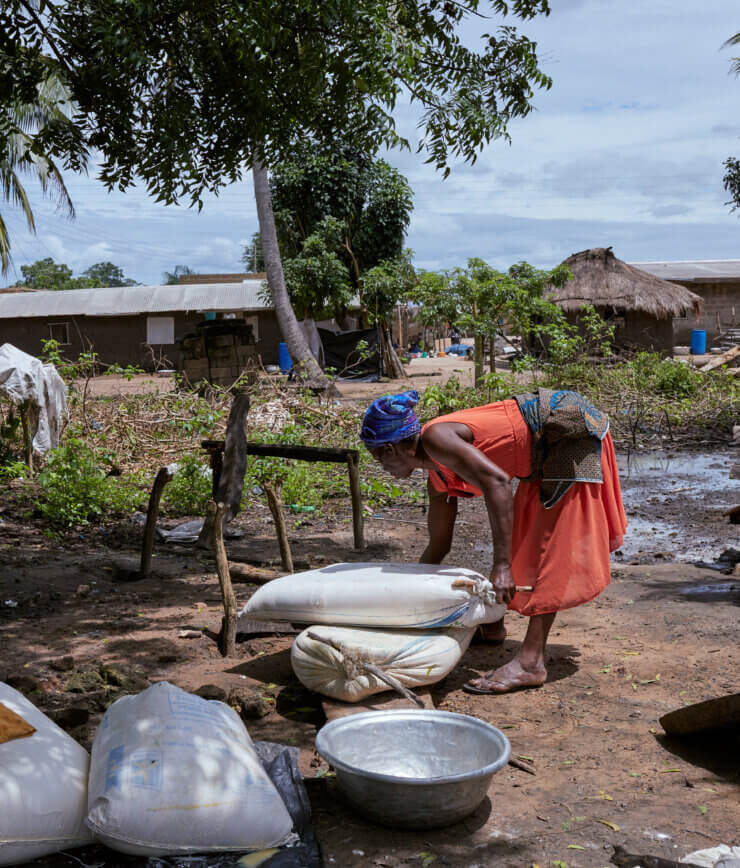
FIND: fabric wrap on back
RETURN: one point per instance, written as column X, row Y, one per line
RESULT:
column 567, row 431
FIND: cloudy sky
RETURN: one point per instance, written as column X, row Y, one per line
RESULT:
column 625, row 150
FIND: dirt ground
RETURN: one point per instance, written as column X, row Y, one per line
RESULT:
column 664, row 634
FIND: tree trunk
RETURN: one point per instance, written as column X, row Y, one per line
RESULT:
column 478, row 359
column 300, row 352
column 391, row 363
column 492, row 357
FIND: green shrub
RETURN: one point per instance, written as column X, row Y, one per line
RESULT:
column 190, row 488
column 75, row 488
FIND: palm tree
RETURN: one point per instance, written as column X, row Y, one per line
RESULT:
column 298, row 347
column 23, row 155
column 733, row 40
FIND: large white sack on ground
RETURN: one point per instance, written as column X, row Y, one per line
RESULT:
column 43, row 787
column 413, row 657
column 173, row 773
column 420, row 596
column 26, row 378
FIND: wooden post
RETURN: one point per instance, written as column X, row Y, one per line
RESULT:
column 273, row 499
column 353, row 465
column 27, row 440
column 230, row 484
column 162, row 478
column 227, row 637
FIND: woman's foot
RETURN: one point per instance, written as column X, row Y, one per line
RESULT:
column 512, row 676
column 492, row 634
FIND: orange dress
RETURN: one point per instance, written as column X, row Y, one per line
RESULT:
column 563, row 552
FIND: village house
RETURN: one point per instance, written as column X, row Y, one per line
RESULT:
column 136, row 325
column 717, row 281
column 644, row 309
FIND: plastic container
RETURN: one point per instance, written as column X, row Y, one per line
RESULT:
column 286, row 363
column 210, row 315
column 698, row 342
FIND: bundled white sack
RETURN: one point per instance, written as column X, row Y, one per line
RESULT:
column 173, row 773
column 25, row 378
column 412, row 657
column 417, row 596
column 43, row 787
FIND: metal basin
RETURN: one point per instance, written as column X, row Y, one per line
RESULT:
column 413, row 768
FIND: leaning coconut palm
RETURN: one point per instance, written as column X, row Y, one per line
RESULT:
column 27, row 125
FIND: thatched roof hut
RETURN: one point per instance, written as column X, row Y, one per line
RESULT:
column 602, row 280
column 641, row 306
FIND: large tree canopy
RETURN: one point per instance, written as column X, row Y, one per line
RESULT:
column 371, row 201
column 187, row 94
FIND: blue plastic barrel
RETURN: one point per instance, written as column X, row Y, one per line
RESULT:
column 286, row 363
column 698, row 342
column 210, row 315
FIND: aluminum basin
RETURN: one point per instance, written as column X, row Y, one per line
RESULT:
column 411, row 768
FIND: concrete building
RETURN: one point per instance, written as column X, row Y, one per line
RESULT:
column 717, row 281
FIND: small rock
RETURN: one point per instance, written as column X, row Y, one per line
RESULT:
column 189, row 634
column 211, row 691
column 22, row 683
column 84, row 682
column 71, row 716
column 63, row 664
column 83, row 591
column 251, row 705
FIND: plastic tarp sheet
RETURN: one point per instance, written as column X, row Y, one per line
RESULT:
column 24, row 378
column 340, row 353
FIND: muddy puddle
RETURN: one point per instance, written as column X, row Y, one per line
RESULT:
column 677, row 505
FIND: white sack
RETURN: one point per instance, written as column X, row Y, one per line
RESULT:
column 25, row 378
column 412, row 657
column 43, row 787
column 420, row 596
column 174, row 773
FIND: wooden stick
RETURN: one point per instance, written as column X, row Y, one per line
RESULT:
column 521, row 766
column 161, row 479
column 227, row 637
column 392, row 682
column 353, row 465
column 27, row 441
column 470, row 585
column 228, row 479
column 273, row 499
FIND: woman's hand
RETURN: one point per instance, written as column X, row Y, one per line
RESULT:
column 503, row 583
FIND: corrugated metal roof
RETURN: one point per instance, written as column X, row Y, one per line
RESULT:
column 694, row 269
column 126, row 300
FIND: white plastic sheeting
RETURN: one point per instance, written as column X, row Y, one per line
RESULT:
column 173, row 773
column 43, row 787
column 25, row 378
column 385, row 595
column 413, row 657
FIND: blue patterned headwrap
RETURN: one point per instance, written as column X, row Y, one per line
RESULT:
column 390, row 419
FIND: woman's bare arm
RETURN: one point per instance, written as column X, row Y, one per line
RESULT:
column 441, row 524
column 450, row 444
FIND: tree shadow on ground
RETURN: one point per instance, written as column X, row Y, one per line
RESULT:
column 715, row 750
column 712, row 588
column 326, row 548
column 272, row 668
column 481, row 659
column 337, row 820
